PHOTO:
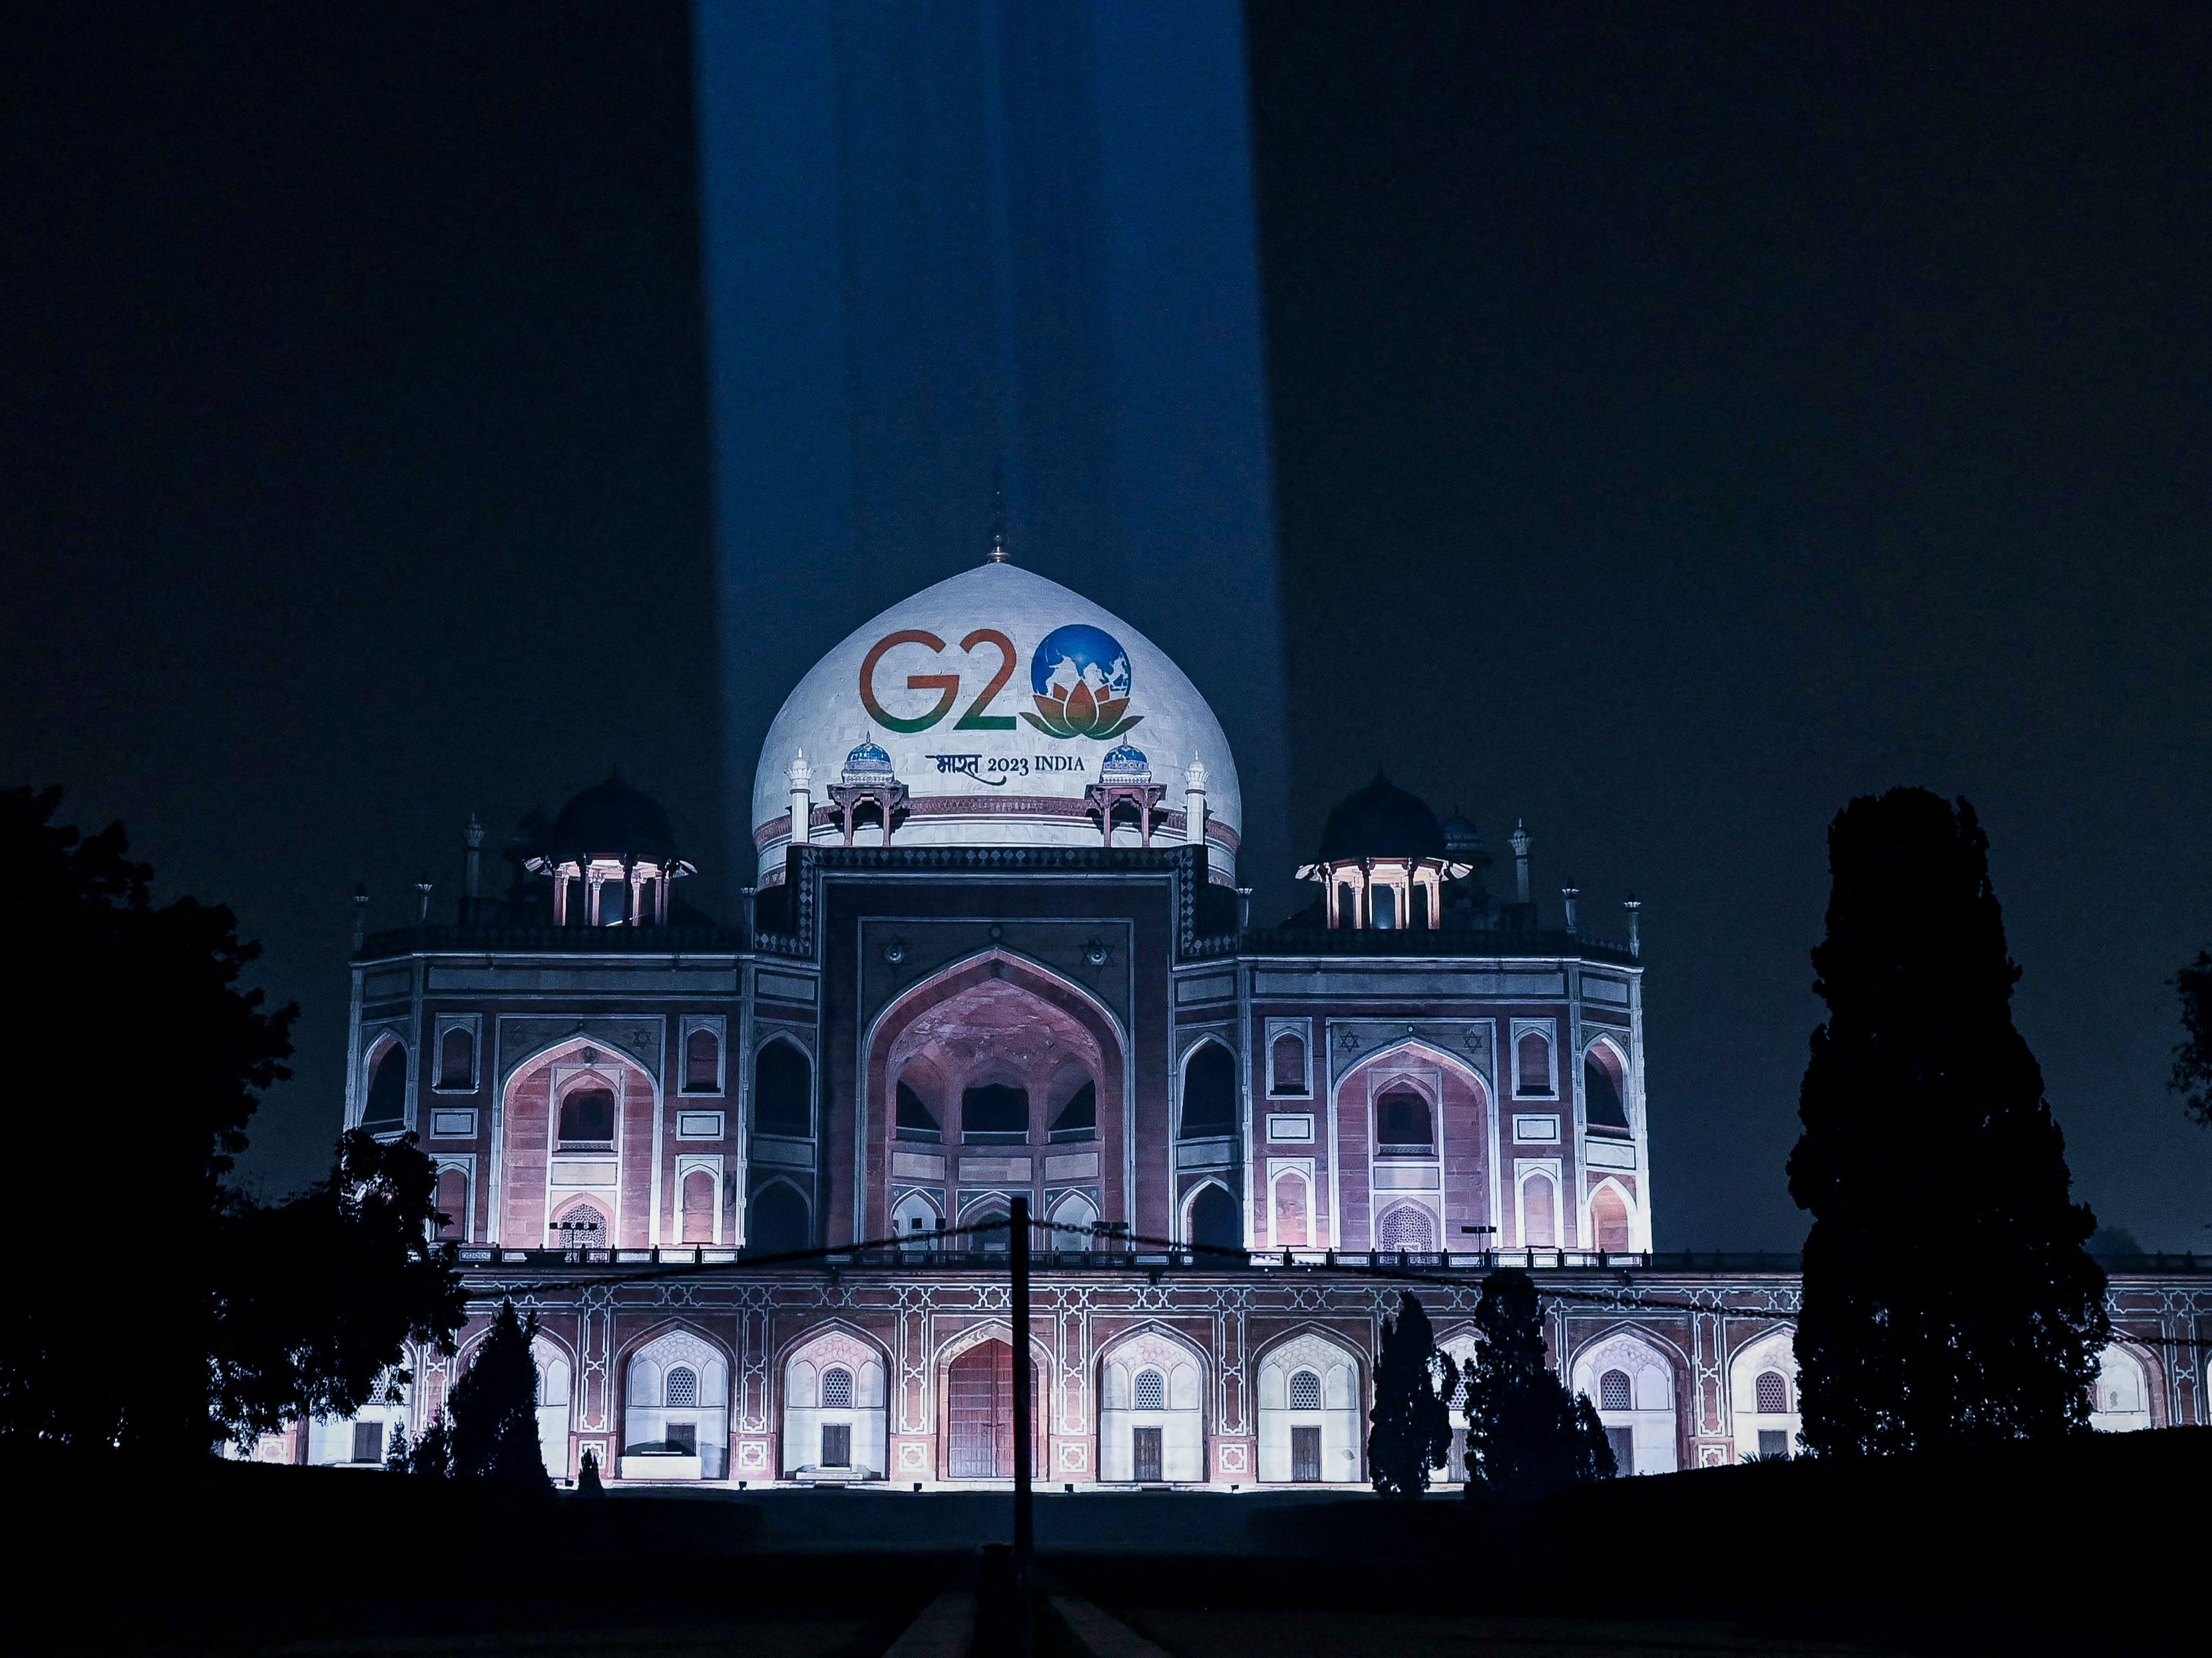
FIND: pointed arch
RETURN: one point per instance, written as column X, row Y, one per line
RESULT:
column 1597, row 1225
column 1208, row 1095
column 892, row 1040
column 1220, row 1224
column 1766, row 1419
column 836, row 1381
column 958, row 1419
column 1426, row 1050
column 674, row 1395
column 557, row 1372
column 779, row 1218
column 783, row 1088
column 575, row 1042
column 1381, row 1099
column 1155, row 1433
column 1640, row 1418
column 2125, row 1397
column 1312, row 1395
column 1605, row 1103
column 387, row 1083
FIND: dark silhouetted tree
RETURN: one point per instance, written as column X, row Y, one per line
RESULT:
column 432, row 1455
column 2108, row 1243
column 1527, row 1436
column 135, row 1006
column 494, row 1409
column 1412, row 1422
column 2192, row 1059
column 1947, row 1296
column 318, row 1295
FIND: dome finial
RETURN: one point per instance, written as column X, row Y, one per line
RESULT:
column 999, row 514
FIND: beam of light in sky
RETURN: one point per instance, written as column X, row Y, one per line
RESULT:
column 948, row 242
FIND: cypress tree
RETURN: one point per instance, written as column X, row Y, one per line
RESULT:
column 1412, row 1422
column 433, row 1454
column 494, row 1413
column 2192, row 1059
column 1527, row 1436
column 1947, row 1296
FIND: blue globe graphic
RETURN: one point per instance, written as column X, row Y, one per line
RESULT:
column 1080, row 652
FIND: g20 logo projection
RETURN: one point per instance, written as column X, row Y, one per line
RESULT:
column 1079, row 680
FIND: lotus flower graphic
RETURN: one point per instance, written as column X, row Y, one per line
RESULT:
column 1080, row 678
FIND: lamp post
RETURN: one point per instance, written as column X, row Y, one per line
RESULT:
column 1024, row 1495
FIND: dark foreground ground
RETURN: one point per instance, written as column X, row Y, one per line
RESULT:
column 2098, row 1548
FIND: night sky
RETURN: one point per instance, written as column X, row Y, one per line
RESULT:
column 1684, row 420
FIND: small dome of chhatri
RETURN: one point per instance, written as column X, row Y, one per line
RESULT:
column 611, row 819
column 1381, row 821
column 1126, row 765
column 1462, row 838
column 867, row 762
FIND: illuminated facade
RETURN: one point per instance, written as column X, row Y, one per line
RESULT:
column 997, row 948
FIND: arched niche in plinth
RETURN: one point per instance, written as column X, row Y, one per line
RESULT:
column 1151, row 1409
column 1312, row 1400
column 975, row 1404
column 2123, row 1397
column 1765, row 1416
column 835, row 1392
column 966, row 1037
column 556, row 1372
column 1635, row 1380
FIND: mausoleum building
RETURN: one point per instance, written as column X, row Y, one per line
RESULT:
column 995, row 947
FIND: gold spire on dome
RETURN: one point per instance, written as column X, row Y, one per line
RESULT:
column 997, row 516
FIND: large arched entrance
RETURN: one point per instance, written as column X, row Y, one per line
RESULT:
column 979, row 1414
column 992, row 1079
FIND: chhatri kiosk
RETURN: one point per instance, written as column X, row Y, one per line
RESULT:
column 996, row 948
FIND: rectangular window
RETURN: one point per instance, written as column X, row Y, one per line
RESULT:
column 1305, row 1455
column 837, row 1445
column 1148, row 1454
column 368, row 1441
column 1623, row 1440
column 1773, row 1441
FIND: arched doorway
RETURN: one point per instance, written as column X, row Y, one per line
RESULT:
column 979, row 1414
column 1018, row 1070
column 779, row 1223
column 1216, row 1222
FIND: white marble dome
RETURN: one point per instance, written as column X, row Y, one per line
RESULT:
column 998, row 695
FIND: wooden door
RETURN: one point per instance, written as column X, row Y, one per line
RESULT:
column 837, row 1445
column 1305, row 1455
column 979, row 1417
column 1148, row 1454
